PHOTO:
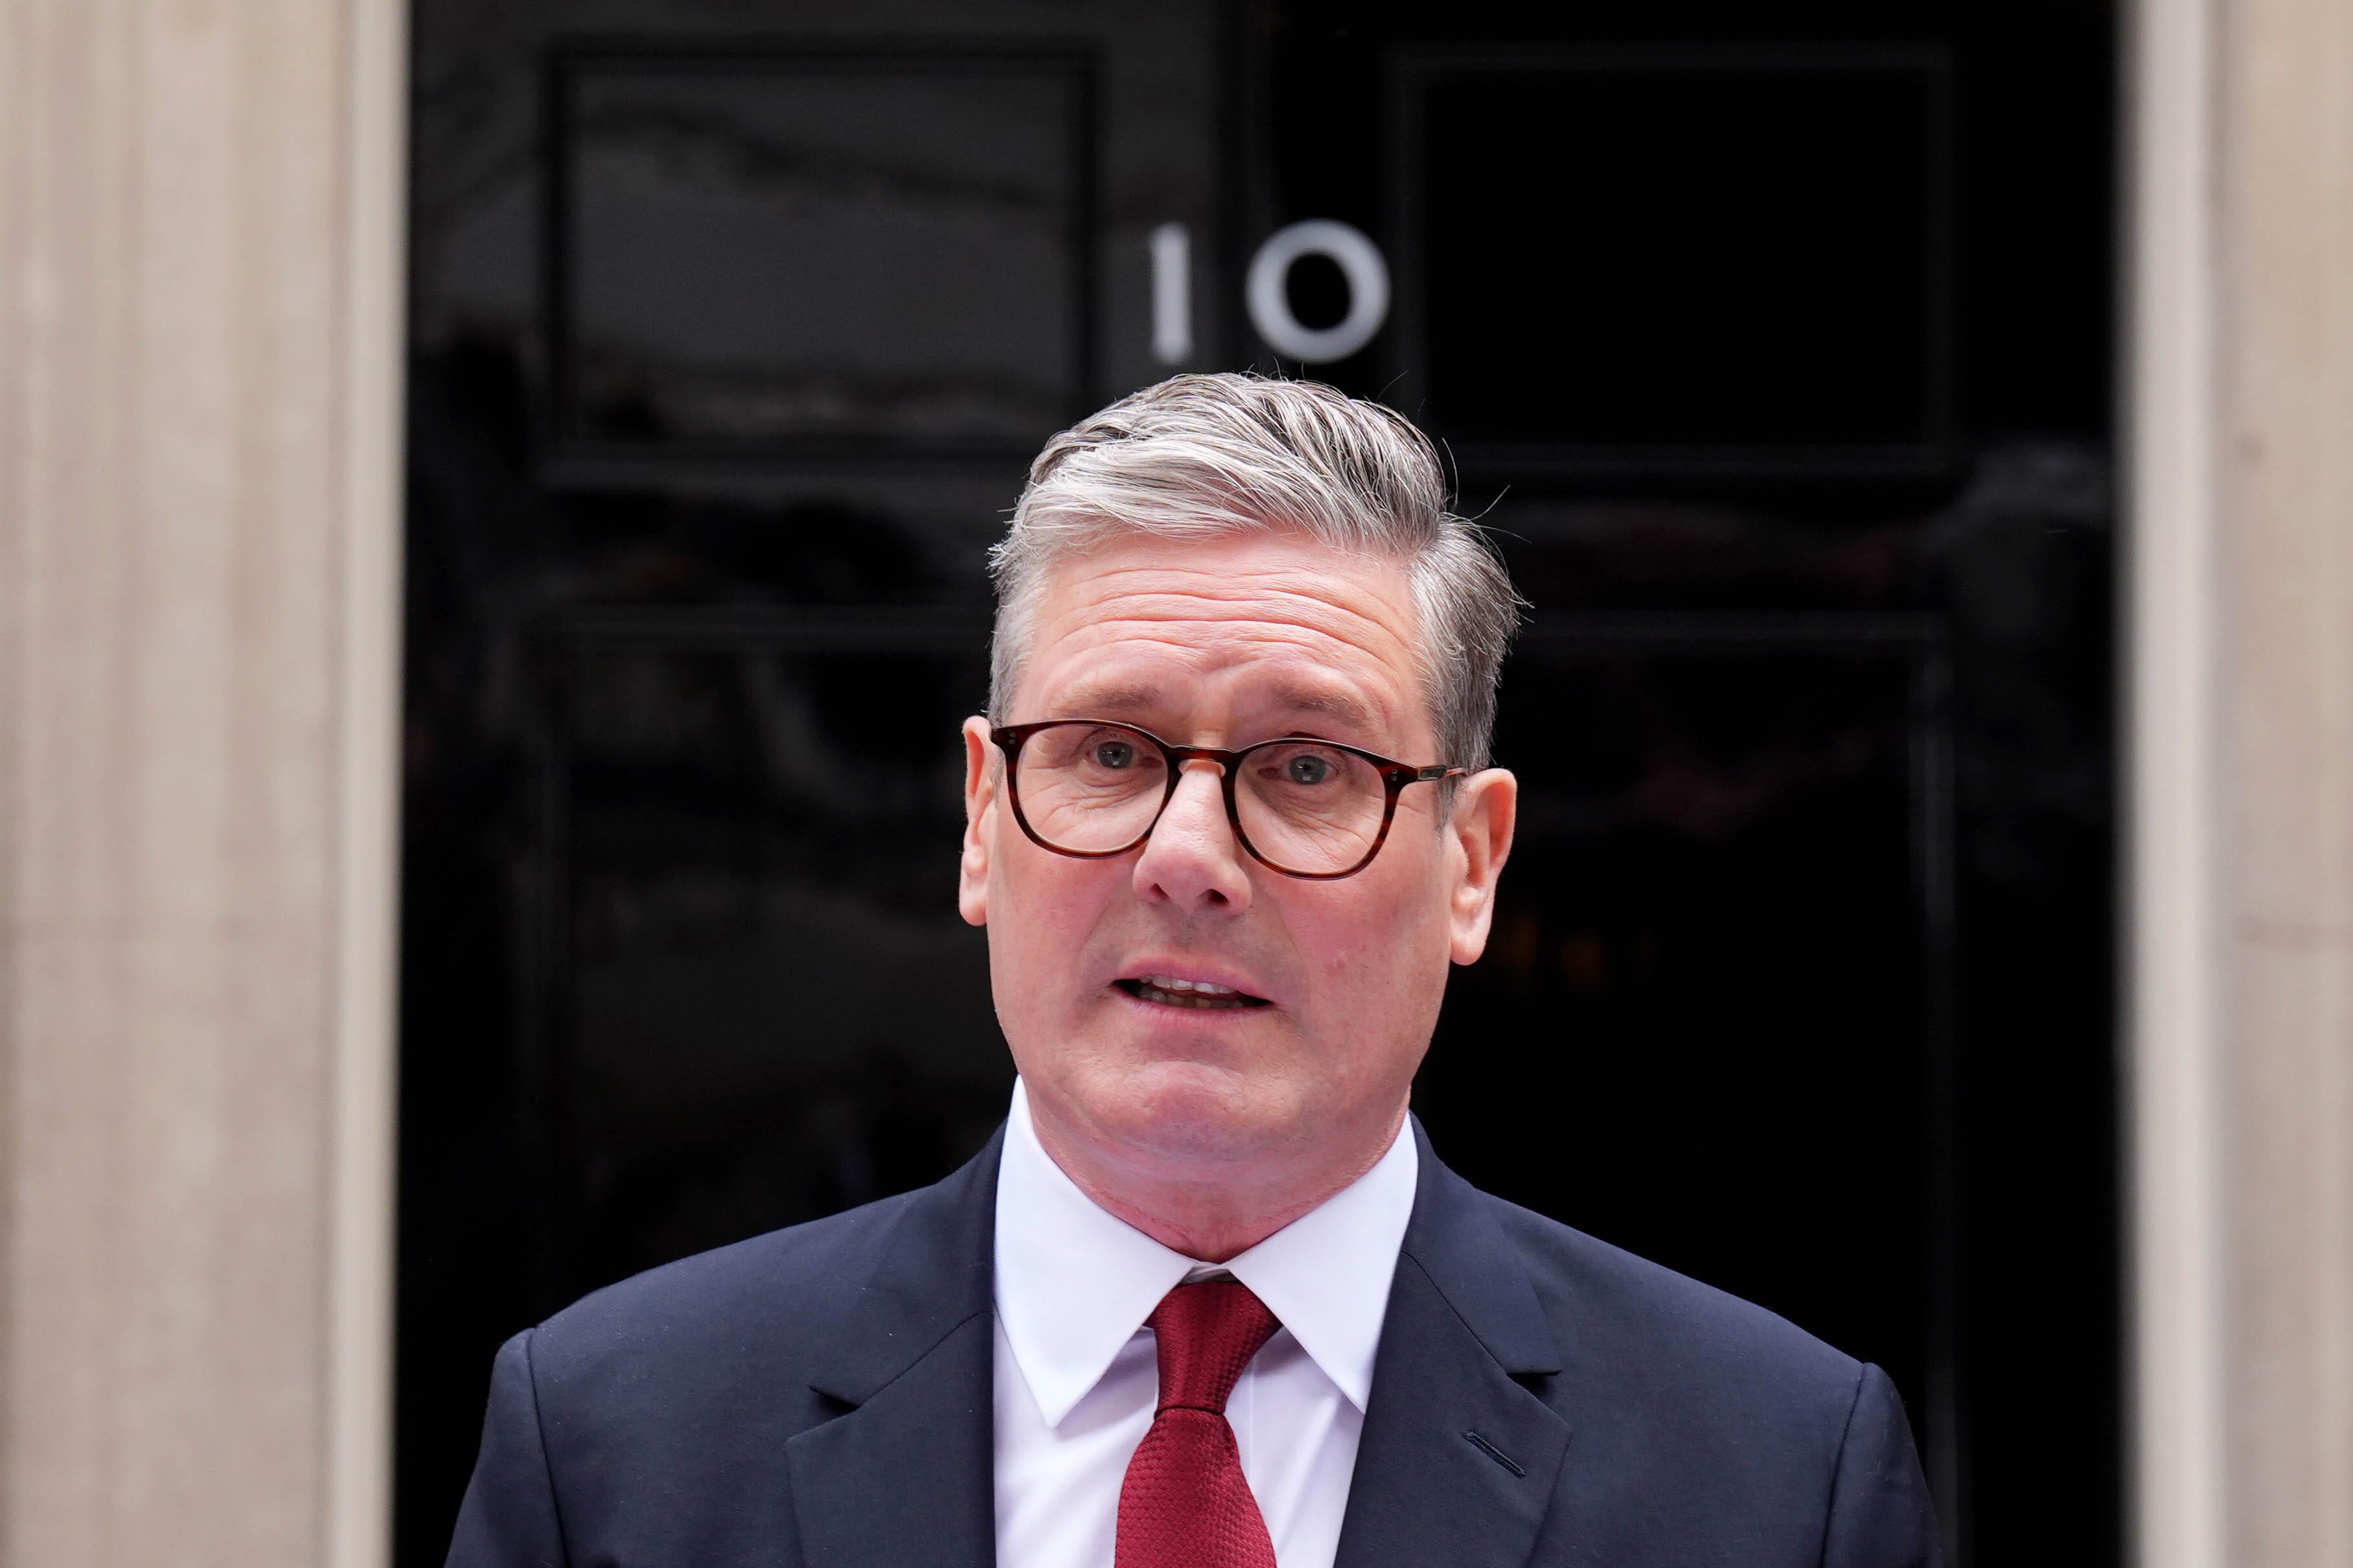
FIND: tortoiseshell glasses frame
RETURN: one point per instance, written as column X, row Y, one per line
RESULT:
column 1395, row 776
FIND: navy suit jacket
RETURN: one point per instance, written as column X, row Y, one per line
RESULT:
column 822, row 1396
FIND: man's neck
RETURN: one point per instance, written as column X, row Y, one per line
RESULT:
column 1204, row 1211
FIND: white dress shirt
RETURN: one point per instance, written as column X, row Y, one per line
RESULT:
column 1077, row 1378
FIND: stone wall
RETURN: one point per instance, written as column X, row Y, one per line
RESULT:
column 199, row 211
column 2241, row 649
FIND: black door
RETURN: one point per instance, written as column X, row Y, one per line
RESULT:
column 1778, row 361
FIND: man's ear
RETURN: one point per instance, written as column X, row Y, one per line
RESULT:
column 980, row 776
column 1486, row 808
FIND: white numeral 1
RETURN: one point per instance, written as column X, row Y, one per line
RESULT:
column 1172, row 294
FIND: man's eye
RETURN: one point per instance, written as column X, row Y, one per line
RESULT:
column 1307, row 770
column 1115, row 755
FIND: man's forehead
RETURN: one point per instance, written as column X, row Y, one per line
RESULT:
column 1277, row 577
column 1278, row 620
column 1278, row 690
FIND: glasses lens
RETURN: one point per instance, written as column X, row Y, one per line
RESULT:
column 1089, row 788
column 1309, row 807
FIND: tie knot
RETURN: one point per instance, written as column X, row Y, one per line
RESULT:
column 1204, row 1334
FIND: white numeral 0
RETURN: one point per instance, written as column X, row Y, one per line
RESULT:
column 1359, row 260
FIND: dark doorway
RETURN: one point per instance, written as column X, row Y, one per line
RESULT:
column 1773, row 349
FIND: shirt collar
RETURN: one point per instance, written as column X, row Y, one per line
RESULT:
column 1074, row 1284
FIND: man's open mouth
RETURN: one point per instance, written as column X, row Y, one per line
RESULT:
column 1170, row 992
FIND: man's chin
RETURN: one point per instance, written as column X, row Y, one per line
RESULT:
column 1189, row 1112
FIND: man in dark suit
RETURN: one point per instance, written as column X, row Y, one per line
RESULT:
column 1208, row 1297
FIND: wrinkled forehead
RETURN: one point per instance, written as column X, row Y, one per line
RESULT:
column 1256, row 630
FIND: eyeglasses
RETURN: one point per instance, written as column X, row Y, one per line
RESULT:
column 1092, row 789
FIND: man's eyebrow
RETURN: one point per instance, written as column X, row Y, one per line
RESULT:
column 1339, row 705
column 1111, row 702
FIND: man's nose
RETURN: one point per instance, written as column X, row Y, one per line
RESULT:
column 1193, row 860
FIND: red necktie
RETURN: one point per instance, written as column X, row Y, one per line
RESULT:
column 1185, row 1503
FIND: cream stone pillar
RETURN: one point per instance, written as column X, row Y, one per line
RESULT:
column 2242, row 1052
column 200, row 206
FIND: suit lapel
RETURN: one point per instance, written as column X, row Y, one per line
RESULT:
column 1459, row 1460
column 1458, row 1463
column 904, row 1476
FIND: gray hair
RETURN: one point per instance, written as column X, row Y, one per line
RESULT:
column 1201, row 456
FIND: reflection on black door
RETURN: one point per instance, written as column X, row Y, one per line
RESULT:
column 1776, row 359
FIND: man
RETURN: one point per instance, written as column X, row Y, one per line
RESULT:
column 1208, row 1297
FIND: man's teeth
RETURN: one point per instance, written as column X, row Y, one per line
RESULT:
column 1170, row 992
column 1207, row 988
